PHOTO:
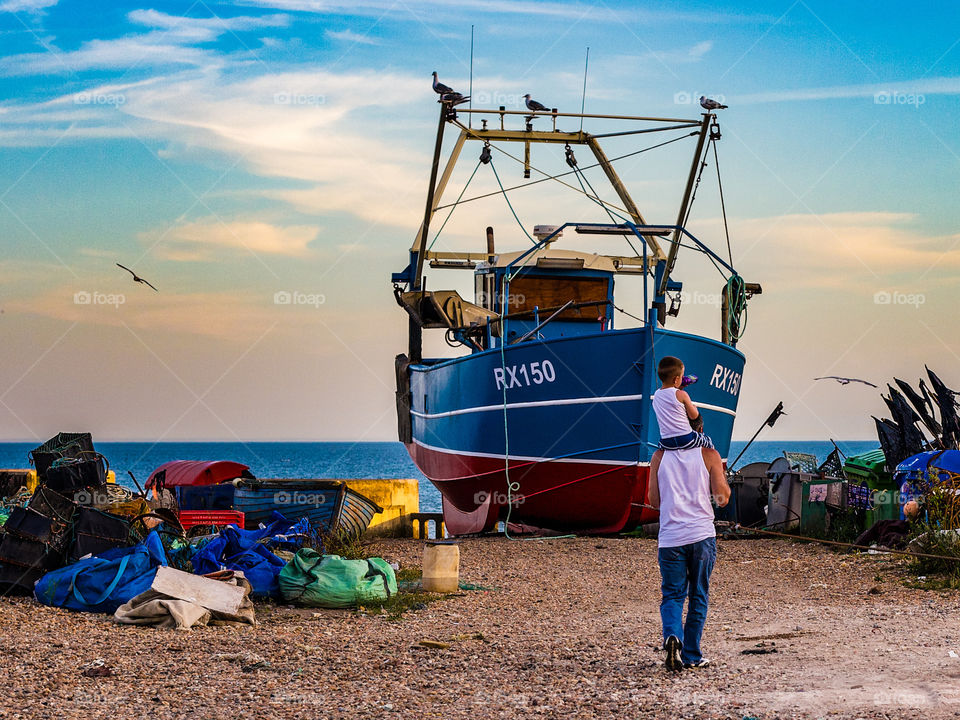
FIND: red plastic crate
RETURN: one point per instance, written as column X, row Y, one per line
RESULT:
column 219, row 518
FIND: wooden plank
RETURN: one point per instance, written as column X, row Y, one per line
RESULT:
column 547, row 292
column 211, row 594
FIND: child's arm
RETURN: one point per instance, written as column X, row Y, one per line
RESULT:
column 685, row 400
column 653, row 485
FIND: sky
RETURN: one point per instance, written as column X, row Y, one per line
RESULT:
column 264, row 164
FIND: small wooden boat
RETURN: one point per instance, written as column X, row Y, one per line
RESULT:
column 329, row 505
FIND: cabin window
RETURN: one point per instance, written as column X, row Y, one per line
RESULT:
column 550, row 293
column 484, row 290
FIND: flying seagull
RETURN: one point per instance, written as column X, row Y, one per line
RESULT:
column 136, row 278
column 438, row 87
column 845, row 380
column 708, row 104
column 533, row 105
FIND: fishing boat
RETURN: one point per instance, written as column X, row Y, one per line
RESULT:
column 541, row 416
column 329, row 505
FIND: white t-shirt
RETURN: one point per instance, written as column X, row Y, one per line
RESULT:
column 671, row 414
column 686, row 515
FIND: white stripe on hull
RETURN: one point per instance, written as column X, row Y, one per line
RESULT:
column 527, row 458
column 551, row 403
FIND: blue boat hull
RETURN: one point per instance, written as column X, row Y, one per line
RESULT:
column 570, row 416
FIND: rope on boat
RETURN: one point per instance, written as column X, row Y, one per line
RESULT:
column 736, row 307
column 511, row 486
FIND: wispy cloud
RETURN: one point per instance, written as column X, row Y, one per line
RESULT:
column 922, row 86
column 26, row 5
column 558, row 10
column 352, row 37
column 208, row 239
column 171, row 40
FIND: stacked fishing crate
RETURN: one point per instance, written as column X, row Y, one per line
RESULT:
column 59, row 524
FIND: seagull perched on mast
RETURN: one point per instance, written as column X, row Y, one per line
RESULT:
column 533, row 105
column 845, row 380
column 448, row 94
column 136, row 278
column 708, row 104
column 438, row 87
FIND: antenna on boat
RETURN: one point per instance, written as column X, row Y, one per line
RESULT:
column 470, row 93
column 583, row 98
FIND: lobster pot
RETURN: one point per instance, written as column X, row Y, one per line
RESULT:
column 63, row 445
column 73, row 475
column 96, row 531
column 441, row 566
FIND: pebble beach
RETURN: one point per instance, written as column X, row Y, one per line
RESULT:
column 564, row 628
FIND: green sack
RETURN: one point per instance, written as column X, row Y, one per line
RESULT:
column 329, row 581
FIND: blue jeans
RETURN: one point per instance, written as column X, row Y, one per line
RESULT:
column 685, row 573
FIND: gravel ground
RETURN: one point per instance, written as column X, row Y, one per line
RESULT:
column 569, row 628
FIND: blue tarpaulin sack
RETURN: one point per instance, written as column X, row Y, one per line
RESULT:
column 104, row 582
column 237, row 549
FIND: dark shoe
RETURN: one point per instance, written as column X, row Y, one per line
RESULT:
column 672, row 647
column 702, row 663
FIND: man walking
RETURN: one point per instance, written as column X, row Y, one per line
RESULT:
column 682, row 483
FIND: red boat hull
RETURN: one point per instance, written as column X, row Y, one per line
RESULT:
column 566, row 495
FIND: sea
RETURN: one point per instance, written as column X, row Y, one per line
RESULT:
column 343, row 460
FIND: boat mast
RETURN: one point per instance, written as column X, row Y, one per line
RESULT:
column 684, row 207
column 415, row 331
column 621, row 191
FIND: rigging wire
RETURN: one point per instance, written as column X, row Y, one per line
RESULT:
column 509, row 204
column 723, row 206
column 454, row 206
column 693, row 197
column 572, row 162
column 559, row 175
